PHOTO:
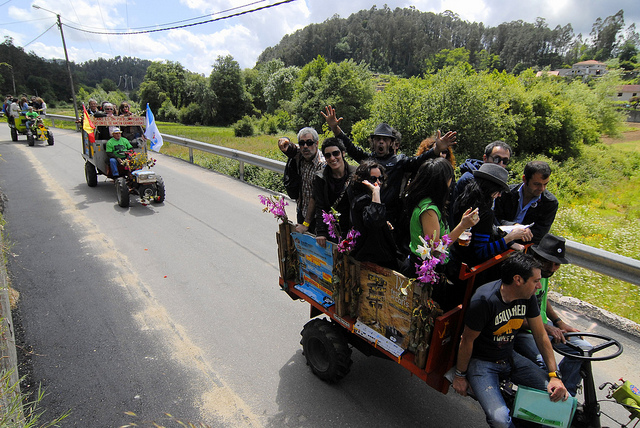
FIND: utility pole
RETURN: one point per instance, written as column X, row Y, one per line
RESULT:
column 66, row 57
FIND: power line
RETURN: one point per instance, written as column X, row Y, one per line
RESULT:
column 193, row 19
column 180, row 26
column 41, row 34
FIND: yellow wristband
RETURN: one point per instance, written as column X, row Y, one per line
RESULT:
column 305, row 223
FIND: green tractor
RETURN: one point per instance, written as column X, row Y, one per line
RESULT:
column 37, row 132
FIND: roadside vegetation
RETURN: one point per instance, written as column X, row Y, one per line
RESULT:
column 17, row 410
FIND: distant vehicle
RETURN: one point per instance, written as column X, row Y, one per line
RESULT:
column 37, row 132
column 135, row 176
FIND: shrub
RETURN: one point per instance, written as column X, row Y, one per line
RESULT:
column 244, row 127
column 268, row 124
column 168, row 112
column 191, row 114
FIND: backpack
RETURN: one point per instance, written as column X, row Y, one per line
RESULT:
column 292, row 178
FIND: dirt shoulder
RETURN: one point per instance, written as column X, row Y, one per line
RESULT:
column 633, row 134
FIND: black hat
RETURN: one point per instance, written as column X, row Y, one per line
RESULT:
column 383, row 130
column 551, row 248
column 494, row 173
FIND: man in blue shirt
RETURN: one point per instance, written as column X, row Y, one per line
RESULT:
column 529, row 202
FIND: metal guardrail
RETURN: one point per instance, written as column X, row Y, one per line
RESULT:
column 595, row 259
column 242, row 157
column 604, row 262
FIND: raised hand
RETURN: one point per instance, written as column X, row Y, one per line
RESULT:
column 329, row 115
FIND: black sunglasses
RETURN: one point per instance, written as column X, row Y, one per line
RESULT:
column 307, row 143
column 334, row 153
column 498, row 159
column 373, row 179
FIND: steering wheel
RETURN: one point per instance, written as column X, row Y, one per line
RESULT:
column 588, row 354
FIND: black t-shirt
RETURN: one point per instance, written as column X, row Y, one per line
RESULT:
column 497, row 321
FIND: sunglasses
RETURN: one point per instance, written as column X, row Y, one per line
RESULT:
column 373, row 179
column 498, row 159
column 307, row 143
column 335, row 154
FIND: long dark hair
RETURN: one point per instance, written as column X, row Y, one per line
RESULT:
column 477, row 194
column 363, row 172
column 431, row 181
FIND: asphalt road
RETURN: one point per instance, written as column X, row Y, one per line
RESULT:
column 175, row 308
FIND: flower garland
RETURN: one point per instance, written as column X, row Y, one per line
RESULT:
column 275, row 205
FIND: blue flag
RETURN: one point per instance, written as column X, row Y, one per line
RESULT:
column 152, row 132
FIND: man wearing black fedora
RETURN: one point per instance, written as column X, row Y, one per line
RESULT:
column 550, row 252
column 383, row 152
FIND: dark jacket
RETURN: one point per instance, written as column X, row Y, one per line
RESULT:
column 466, row 169
column 395, row 168
column 326, row 191
column 542, row 213
column 375, row 243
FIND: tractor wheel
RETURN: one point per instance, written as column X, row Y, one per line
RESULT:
column 30, row 139
column 50, row 138
column 122, row 192
column 326, row 350
column 90, row 174
column 159, row 191
column 14, row 134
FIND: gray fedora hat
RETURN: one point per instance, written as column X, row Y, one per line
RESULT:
column 494, row 173
column 551, row 248
column 383, row 130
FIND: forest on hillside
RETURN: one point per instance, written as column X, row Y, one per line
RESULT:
column 49, row 79
column 405, row 42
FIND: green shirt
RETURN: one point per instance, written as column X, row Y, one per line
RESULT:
column 415, row 226
column 31, row 114
column 118, row 147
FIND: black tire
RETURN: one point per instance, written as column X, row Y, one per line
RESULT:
column 14, row 134
column 90, row 174
column 50, row 138
column 122, row 192
column 326, row 350
column 31, row 140
column 159, row 191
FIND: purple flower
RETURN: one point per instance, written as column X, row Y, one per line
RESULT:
column 347, row 244
column 275, row 205
column 433, row 253
column 332, row 222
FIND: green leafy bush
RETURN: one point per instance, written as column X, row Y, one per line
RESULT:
column 244, row 127
column 191, row 114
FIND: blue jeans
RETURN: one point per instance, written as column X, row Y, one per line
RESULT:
column 525, row 344
column 113, row 163
column 484, row 378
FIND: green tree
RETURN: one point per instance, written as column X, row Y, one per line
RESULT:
column 348, row 86
column 280, row 86
column 170, row 77
column 227, row 83
column 151, row 93
column 108, row 85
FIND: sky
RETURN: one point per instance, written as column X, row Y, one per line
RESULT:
column 246, row 35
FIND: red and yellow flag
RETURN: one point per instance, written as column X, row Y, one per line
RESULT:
column 87, row 125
